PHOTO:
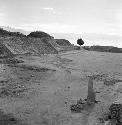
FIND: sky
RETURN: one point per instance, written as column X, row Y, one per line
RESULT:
column 63, row 16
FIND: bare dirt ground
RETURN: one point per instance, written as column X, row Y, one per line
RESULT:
column 41, row 90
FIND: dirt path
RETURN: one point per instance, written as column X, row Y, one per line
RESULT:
column 85, row 119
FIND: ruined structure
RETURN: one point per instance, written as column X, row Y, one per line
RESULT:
column 4, row 51
column 91, row 94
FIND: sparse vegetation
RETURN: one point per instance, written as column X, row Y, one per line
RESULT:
column 38, row 34
column 10, row 61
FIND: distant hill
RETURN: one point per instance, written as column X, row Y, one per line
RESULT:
column 8, row 33
column 91, row 38
column 111, row 49
column 11, row 29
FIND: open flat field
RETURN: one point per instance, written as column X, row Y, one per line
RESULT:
column 39, row 91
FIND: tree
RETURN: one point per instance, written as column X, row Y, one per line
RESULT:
column 80, row 42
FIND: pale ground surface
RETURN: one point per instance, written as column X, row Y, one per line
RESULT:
column 44, row 97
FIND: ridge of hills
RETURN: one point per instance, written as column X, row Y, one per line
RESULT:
column 11, row 29
column 111, row 49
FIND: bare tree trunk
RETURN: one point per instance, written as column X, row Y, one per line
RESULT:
column 91, row 94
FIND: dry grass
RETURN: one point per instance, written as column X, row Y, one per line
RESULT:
column 49, row 92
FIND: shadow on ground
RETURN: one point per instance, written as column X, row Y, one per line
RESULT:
column 9, row 119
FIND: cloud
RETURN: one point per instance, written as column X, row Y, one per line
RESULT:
column 2, row 14
column 52, row 10
column 2, row 19
column 48, row 8
column 51, row 27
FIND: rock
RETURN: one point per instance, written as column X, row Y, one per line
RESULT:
column 118, row 87
column 4, row 51
column 107, row 122
column 68, row 87
column 91, row 94
column 115, row 113
column 109, row 82
column 76, row 108
column 118, row 101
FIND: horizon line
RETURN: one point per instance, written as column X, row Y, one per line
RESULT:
column 78, row 33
